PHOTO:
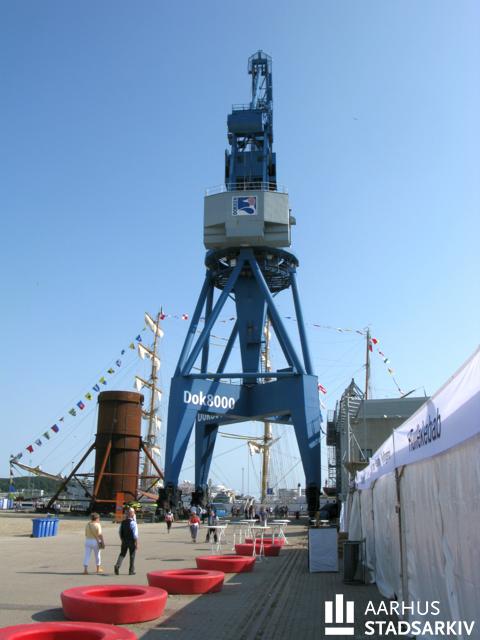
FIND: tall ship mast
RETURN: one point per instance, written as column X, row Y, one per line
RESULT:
column 151, row 415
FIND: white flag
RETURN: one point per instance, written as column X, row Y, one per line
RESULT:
column 254, row 447
column 153, row 325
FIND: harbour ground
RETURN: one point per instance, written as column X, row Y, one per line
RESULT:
column 280, row 599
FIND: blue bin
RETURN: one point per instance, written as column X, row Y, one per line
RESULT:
column 43, row 527
column 39, row 526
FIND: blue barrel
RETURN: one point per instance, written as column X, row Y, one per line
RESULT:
column 39, row 526
column 54, row 527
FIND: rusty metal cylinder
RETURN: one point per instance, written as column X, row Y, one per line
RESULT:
column 117, row 447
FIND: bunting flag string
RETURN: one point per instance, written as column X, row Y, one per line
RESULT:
column 80, row 405
column 386, row 361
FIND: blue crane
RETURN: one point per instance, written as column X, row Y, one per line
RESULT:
column 247, row 228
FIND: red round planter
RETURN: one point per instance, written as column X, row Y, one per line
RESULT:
column 227, row 563
column 66, row 631
column 270, row 550
column 187, row 581
column 114, row 604
column 280, row 541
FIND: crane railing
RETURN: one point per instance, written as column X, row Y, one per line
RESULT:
column 247, row 185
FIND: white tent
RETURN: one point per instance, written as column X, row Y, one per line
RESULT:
column 417, row 504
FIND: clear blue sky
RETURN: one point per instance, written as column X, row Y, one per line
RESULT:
column 113, row 122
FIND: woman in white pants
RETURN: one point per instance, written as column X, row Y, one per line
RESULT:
column 93, row 542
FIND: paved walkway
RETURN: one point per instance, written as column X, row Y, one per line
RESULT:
column 280, row 599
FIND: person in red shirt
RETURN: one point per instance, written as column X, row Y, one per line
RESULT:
column 194, row 524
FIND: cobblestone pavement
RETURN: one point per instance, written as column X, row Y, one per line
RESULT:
column 280, row 599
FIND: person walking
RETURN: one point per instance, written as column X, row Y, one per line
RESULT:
column 263, row 516
column 93, row 542
column 212, row 522
column 169, row 520
column 194, row 523
column 129, row 536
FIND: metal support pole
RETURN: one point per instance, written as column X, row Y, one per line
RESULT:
column 186, row 368
column 301, row 325
column 194, row 323
column 206, row 347
column 277, row 322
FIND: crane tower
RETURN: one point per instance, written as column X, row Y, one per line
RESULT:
column 247, row 228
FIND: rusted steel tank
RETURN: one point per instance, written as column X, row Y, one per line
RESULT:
column 117, row 447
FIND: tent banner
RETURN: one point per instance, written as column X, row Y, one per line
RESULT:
column 448, row 418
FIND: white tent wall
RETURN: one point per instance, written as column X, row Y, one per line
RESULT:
column 387, row 537
column 458, row 474
column 368, row 529
column 355, row 521
column 441, row 519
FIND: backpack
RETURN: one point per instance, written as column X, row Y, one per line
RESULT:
column 126, row 532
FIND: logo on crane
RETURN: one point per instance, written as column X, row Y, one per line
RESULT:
column 244, row 206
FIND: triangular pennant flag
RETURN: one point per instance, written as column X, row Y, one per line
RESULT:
column 46, row 435
column 72, row 412
column 111, row 370
column 102, row 380
column 391, row 371
column 88, row 396
column 131, row 345
column 38, row 442
column 138, row 338
column 62, row 419
column 30, row 448
column 386, row 361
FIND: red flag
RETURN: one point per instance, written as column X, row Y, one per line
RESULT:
column 370, row 347
column 30, row 448
column 374, row 340
column 162, row 316
column 184, row 316
column 322, row 388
